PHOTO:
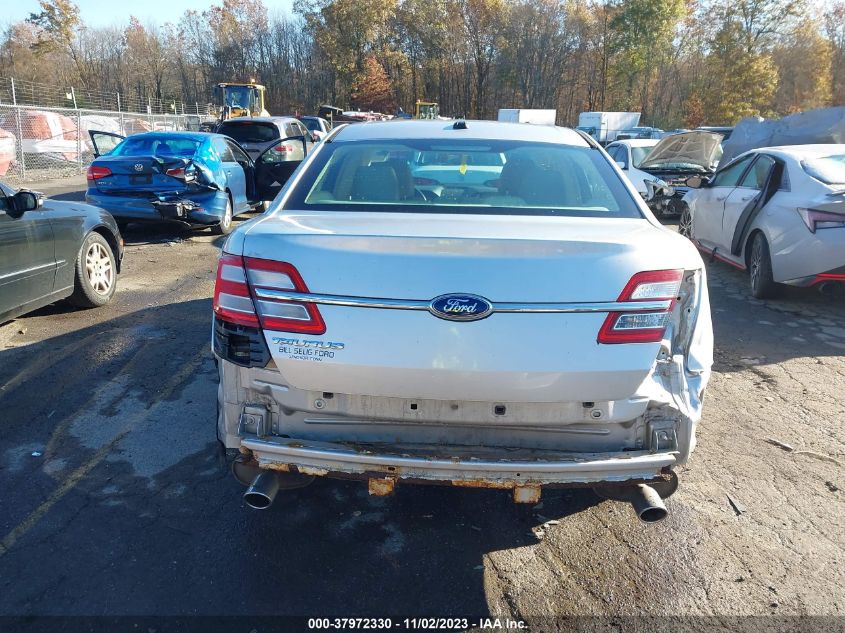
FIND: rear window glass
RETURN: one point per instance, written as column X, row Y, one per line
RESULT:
column 250, row 132
column 486, row 177
column 829, row 169
column 157, row 146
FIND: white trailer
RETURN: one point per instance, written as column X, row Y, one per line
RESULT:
column 605, row 126
column 522, row 115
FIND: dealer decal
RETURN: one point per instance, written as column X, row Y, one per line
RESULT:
column 307, row 349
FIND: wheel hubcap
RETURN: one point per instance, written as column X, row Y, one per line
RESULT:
column 686, row 224
column 756, row 256
column 99, row 269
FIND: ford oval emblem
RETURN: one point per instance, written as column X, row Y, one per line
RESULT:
column 139, row 167
column 460, row 307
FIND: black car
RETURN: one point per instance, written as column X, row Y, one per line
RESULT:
column 51, row 250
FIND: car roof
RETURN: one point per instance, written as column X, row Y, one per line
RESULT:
column 260, row 119
column 475, row 130
column 804, row 151
column 637, row 142
column 187, row 134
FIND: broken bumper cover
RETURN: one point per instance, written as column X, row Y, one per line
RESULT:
column 204, row 208
column 466, row 467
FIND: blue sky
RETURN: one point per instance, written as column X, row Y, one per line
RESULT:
column 108, row 12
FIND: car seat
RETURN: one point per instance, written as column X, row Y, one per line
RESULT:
column 375, row 183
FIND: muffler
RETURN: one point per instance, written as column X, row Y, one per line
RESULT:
column 263, row 490
column 647, row 504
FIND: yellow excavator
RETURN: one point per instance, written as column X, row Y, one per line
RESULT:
column 246, row 99
column 427, row 110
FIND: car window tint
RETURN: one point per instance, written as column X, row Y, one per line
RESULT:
column 157, row 146
column 470, row 176
column 250, row 132
column 312, row 124
column 756, row 176
column 238, row 154
column 223, row 150
column 730, row 176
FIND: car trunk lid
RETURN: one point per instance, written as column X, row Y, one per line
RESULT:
column 399, row 347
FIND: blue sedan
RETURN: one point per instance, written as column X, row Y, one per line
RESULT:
column 192, row 178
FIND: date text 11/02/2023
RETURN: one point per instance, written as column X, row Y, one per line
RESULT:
column 425, row 623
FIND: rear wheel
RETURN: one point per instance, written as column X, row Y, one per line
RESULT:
column 685, row 223
column 96, row 273
column 763, row 284
column 225, row 225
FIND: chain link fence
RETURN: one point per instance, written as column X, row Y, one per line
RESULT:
column 39, row 143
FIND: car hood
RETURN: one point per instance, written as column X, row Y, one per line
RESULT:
column 690, row 149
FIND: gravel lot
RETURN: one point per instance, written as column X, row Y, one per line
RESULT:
column 116, row 499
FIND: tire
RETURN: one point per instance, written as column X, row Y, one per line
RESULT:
column 685, row 223
column 96, row 273
column 225, row 225
column 763, row 285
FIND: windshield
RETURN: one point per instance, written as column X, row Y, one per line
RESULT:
column 638, row 154
column 486, row 177
column 829, row 169
column 250, row 132
column 157, row 146
column 239, row 96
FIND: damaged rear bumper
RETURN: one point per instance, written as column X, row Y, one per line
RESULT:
column 206, row 208
column 462, row 466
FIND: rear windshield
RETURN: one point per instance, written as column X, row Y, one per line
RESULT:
column 830, row 169
column 253, row 132
column 312, row 124
column 156, row 146
column 472, row 176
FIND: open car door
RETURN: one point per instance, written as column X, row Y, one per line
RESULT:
column 275, row 164
column 104, row 142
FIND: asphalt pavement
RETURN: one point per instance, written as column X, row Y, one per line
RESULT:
column 117, row 499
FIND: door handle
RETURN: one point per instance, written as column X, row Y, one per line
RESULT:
column 720, row 198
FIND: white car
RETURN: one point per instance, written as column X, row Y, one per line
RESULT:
column 777, row 212
column 628, row 154
column 533, row 327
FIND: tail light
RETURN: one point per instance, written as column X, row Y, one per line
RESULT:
column 232, row 301
column 239, row 277
column 643, row 327
column 182, row 173
column 95, row 172
column 283, row 148
column 815, row 219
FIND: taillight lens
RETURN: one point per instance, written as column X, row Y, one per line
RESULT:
column 237, row 279
column 182, row 173
column 95, row 172
column 816, row 220
column 232, row 301
column 287, row 316
column 643, row 327
column 283, row 148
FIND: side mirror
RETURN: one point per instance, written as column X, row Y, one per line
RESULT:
column 27, row 201
column 622, row 164
column 694, row 182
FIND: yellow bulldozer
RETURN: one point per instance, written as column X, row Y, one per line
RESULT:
column 246, row 99
column 427, row 110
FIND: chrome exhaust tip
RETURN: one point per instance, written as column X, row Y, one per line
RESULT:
column 262, row 491
column 647, row 504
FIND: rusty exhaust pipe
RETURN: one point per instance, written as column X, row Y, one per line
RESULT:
column 261, row 493
column 647, row 504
